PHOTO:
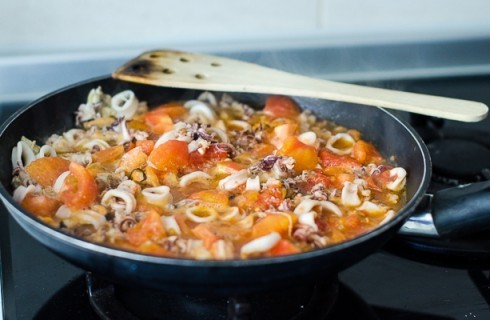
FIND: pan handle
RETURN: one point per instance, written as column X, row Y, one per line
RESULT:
column 462, row 211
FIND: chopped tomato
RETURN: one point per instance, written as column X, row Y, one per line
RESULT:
column 270, row 198
column 150, row 247
column 262, row 150
column 305, row 156
column 378, row 181
column 282, row 132
column 162, row 118
column 182, row 222
column 146, row 145
column 212, row 196
column 351, row 222
column 150, row 228
column 227, row 167
column 284, row 247
column 170, row 156
column 280, row 223
column 133, row 159
column 158, row 123
column 327, row 181
column 40, row 205
column 334, row 164
column 246, row 200
column 281, row 107
column 365, row 153
column 175, row 110
column 46, row 170
column 212, row 154
column 318, row 178
column 80, row 188
column 108, row 155
column 204, row 232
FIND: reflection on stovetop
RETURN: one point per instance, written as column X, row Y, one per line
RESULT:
column 402, row 281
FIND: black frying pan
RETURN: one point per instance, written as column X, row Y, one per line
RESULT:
column 55, row 113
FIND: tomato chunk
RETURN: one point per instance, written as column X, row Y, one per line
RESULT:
column 211, row 196
column 175, row 110
column 133, row 159
column 80, row 188
column 280, row 223
column 281, row 107
column 284, row 247
column 146, row 145
column 46, row 170
column 212, row 154
column 161, row 119
column 150, row 228
column 334, row 164
column 40, row 205
column 282, row 132
column 108, row 155
column 270, row 198
column 204, row 232
column 170, row 156
column 364, row 153
column 305, row 156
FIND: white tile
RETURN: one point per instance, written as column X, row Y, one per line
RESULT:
column 368, row 17
column 31, row 25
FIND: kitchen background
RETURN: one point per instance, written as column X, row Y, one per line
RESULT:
column 347, row 40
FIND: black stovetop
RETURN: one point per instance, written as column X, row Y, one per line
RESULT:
column 401, row 281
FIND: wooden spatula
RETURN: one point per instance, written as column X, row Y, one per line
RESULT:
column 205, row 72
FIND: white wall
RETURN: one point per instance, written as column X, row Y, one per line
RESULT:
column 59, row 26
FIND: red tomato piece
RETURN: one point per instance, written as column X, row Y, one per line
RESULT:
column 146, row 145
column 274, row 223
column 270, row 198
column 284, row 247
column 40, row 205
column 46, row 170
column 80, row 188
column 281, row 107
column 150, row 228
column 305, row 156
column 364, row 153
column 158, row 122
column 212, row 154
column 205, row 233
column 108, row 155
column 211, row 196
column 170, row 156
column 333, row 163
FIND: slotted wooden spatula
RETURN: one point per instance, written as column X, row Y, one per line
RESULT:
column 205, row 72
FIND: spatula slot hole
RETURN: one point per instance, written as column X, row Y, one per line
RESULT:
column 168, row 71
column 155, row 55
column 215, row 64
column 200, row 76
column 184, row 59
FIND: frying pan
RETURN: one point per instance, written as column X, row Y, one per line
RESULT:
column 54, row 113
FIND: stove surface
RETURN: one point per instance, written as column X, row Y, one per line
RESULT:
column 395, row 283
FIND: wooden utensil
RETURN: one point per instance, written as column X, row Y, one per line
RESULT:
column 206, row 72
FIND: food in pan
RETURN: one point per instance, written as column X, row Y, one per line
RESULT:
column 207, row 178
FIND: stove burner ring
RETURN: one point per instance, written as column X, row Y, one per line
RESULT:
column 458, row 161
column 315, row 301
